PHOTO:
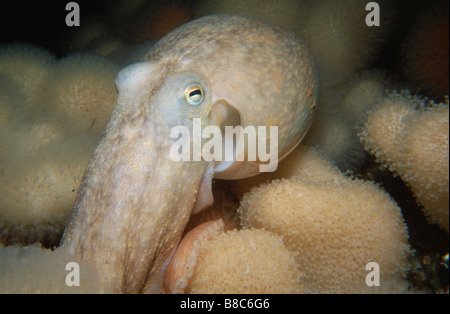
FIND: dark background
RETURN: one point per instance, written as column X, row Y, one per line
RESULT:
column 40, row 22
column 43, row 22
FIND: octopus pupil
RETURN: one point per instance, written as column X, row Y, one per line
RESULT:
column 195, row 92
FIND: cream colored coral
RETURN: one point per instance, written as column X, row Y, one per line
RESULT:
column 52, row 114
column 25, row 64
column 385, row 123
column 304, row 161
column 335, row 138
column 335, row 227
column 365, row 90
column 80, row 89
column 106, row 46
column 338, row 36
column 10, row 103
column 38, row 190
column 245, row 261
column 335, row 129
column 412, row 139
column 87, row 33
column 23, row 68
column 36, row 270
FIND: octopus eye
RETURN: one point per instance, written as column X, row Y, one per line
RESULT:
column 194, row 95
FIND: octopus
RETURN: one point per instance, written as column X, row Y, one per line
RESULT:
column 135, row 199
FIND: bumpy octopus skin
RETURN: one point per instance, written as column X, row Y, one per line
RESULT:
column 134, row 200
